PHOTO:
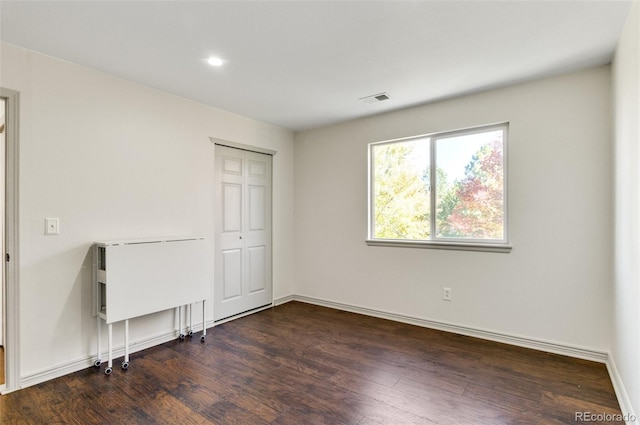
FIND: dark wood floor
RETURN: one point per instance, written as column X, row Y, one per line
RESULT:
column 302, row 364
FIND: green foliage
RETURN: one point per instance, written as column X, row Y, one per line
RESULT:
column 475, row 204
column 471, row 207
column 401, row 196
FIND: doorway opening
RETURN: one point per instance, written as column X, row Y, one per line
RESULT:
column 9, row 293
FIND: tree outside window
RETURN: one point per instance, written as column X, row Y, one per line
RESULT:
column 466, row 195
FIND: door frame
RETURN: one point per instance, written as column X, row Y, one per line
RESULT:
column 12, row 269
column 242, row 146
column 257, row 149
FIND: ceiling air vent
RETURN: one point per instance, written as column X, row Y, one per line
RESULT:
column 375, row 98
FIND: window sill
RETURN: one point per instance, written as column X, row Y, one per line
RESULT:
column 458, row 246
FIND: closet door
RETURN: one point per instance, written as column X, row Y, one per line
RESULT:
column 242, row 264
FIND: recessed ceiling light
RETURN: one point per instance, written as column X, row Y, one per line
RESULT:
column 214, row 61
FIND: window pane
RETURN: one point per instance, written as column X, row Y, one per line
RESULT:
column 401, row 195
column 470, row 186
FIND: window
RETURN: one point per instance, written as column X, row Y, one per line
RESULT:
column 445, row 190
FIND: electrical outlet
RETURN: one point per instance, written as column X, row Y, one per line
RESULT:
column 446, row 294
column 51, row 226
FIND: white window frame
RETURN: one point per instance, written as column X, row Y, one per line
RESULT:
column 435, row 242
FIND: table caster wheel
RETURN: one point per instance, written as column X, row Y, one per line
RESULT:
column 97, row 363
column 125, row 365
column 108, row 371
column 202, row 338
column 190, row 333
column 181, row 337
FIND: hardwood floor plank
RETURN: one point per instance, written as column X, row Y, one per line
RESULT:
column 305, row 364
column 521, row 410
column 21, row 408
column 398, row 404
column 164, row 408
column 561, row 406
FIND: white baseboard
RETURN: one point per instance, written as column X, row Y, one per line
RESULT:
column 283, row 300
column 40, row 376
column 626, row 406
column 246, row 313
column 536, row 344
column 37, row 377
column 621, row 393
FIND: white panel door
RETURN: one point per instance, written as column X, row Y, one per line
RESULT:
column 242, row 264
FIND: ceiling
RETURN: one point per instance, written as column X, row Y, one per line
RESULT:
column 306, row 64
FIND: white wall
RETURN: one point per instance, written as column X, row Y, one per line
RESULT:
column 113, row 159
column 625, row 348
column 554, row 285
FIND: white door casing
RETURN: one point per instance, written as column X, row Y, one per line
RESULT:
column 242, row 227
column 11, row 240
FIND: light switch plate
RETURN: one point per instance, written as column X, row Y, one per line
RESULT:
column 51, row 226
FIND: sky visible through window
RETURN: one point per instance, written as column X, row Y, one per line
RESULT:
column 464, row 198
column 453, row 154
